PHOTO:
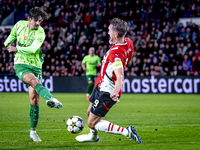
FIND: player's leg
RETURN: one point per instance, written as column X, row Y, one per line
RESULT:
column 34, row 113
column 89, row 87
column 91, row 83
column 92, row 120
column 35, row 83
column 27, row 74
column 101, row 105
column 109, row 127
column 93, row 135
column 129, row 132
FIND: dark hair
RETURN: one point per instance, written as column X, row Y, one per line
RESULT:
column 35, row 12
column 120, row 26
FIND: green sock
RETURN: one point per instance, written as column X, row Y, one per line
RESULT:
column 43, row 92
column 34, row 116
column 88, row 88
column 91, row 86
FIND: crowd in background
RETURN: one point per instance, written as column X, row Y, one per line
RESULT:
column 163, row 46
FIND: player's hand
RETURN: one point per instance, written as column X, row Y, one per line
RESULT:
column 88, row 112
column 89, row 108
column 114, row 97
column 84, row 68
column 11, row 49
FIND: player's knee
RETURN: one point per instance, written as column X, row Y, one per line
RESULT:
column 34, row 100
column 34, row 82
column 91, row 125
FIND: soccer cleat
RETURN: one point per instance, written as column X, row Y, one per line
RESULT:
column 87, row 138
column 52, row 102
column 88, row 97
column 132, row 135
column 34, row 137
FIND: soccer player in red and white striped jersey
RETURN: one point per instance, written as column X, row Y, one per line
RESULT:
column 108, row 91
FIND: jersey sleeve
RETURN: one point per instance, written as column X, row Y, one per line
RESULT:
column 84, row 60
column 34, row 46
column 12, row 36
column 116, row 59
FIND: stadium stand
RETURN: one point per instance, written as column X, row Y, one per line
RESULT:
column 163, row 45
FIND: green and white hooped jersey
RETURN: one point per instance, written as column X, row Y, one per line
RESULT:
column 28, row 44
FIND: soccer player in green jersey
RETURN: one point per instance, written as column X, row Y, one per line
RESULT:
column 89, row 64
column 28, row 62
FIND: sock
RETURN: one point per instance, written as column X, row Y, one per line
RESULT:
column 94, row 133
column 34, row 116
column 91, row 88
column 32, row 132
column 43, row 92
column 106, row 126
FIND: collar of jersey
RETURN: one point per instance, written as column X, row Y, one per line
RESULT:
column 30, row 29
column 120, row 43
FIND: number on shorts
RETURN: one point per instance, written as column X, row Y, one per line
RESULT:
column 96, row 102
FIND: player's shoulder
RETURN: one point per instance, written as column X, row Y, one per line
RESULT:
column 114, row 49
column 129, row 41
column 40, row 30
column 96, row 56
column 116, row 52
column 118, row 48
column 86, row 57
column 22, row 22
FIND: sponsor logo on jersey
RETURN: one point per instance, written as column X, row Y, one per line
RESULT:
column 22, row 45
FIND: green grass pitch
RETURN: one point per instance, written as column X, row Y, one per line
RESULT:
column 164, row 122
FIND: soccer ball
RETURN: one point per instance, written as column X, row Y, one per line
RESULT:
column 75, row 124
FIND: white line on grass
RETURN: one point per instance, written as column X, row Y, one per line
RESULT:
column 37, row 130
column 185, row 125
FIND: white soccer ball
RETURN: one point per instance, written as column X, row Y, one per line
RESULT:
column 75, row 124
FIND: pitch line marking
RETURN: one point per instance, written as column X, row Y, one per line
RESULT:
column 186, row 125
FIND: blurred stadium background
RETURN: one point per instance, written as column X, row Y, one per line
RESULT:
column 165, row 33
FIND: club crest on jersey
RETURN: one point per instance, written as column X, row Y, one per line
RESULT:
column 25, row 37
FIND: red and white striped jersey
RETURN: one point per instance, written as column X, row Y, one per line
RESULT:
column 122, row 51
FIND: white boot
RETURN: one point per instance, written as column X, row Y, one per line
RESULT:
column 53, row 102
column 87, row 138
column 34, row 137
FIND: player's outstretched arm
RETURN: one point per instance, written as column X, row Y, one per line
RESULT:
column 34, row 46
column 83, row 66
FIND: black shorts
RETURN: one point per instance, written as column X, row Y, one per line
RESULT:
column 101, row 102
